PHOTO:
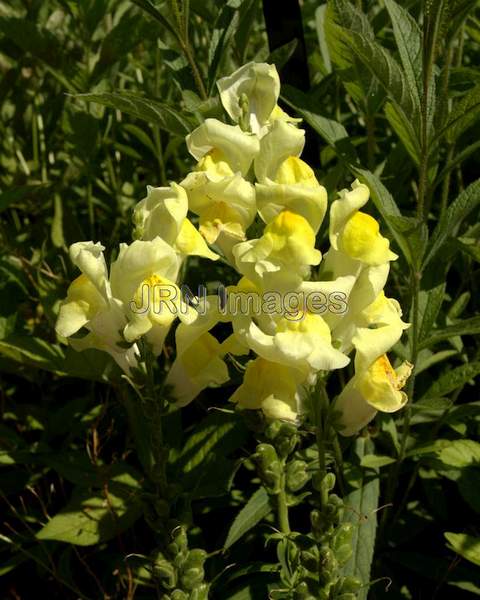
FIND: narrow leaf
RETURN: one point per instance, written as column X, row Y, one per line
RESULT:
column 409, row 43
column 164, row 116
column 252, row 513
column 223, row 30
column 467, row 327
column 464, row 204
column 466, row 545
column 363, row 501
column 453, row 379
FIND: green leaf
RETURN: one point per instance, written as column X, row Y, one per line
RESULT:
column 468, row 486
column 280, row 56
column 375, row 461
column 218, row 430
column 250, row 515
column 467, row 327
column 464, row 114
column 150, row 8
column 379, row 62
column 432, row 404
column 91, row 519
column 463, row 205
column 341, row 17
column 430, row 302
column 460, row 453
column 470, row 247
column 331, row 131
column 320, row 19
column 466, row 545
column 415, row 234
column 223, row 30
column 453, row 379
column 128, row 33
column 32, row 351
column 405, row 131
column 363, row 501
column 160, row 114
column 409, row 43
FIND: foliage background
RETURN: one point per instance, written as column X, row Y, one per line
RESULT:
column 401, row 115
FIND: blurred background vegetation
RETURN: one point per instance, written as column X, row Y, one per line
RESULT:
column 72, row 168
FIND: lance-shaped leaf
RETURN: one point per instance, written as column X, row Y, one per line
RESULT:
column 362, row 504
column 409, row 43
column 464, row 204
column 163, row 115
column 252, row 513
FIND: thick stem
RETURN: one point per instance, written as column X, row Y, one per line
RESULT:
column 282, row 507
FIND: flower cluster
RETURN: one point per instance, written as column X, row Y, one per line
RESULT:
column 249, row 180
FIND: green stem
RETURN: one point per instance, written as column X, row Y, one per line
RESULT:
column 319, row 412
column 282, row 506
column 156, row 130
column 153, row 411
column 187, row 50
column 338, row 463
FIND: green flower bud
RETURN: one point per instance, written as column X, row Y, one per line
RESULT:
column 196, row 557
column 316, row 520
column 296, row 475
column 178, row 595
column 179, row 543
column 302, row 592
column 347, row 596
column 200, row 592
column 309, row 560
column 343, row 536
column 286, row 439
column 349, row 585
column 269, row 467
column 328, row 561
column 272, row 430
column 164, row 571
column 265, row 455
column 192, row 577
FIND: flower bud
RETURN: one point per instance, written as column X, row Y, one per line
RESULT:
column 296, row 475
column 192, row 577
column 178, row 595
column 286, row 439
column 309, row 560
column 200, row 592
column 302, row 592
column 343, row 536
column 342, row 543
column 269, row 467
column 328, row 561
column 196, row 557
column 349, row 585
column 164, row 571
